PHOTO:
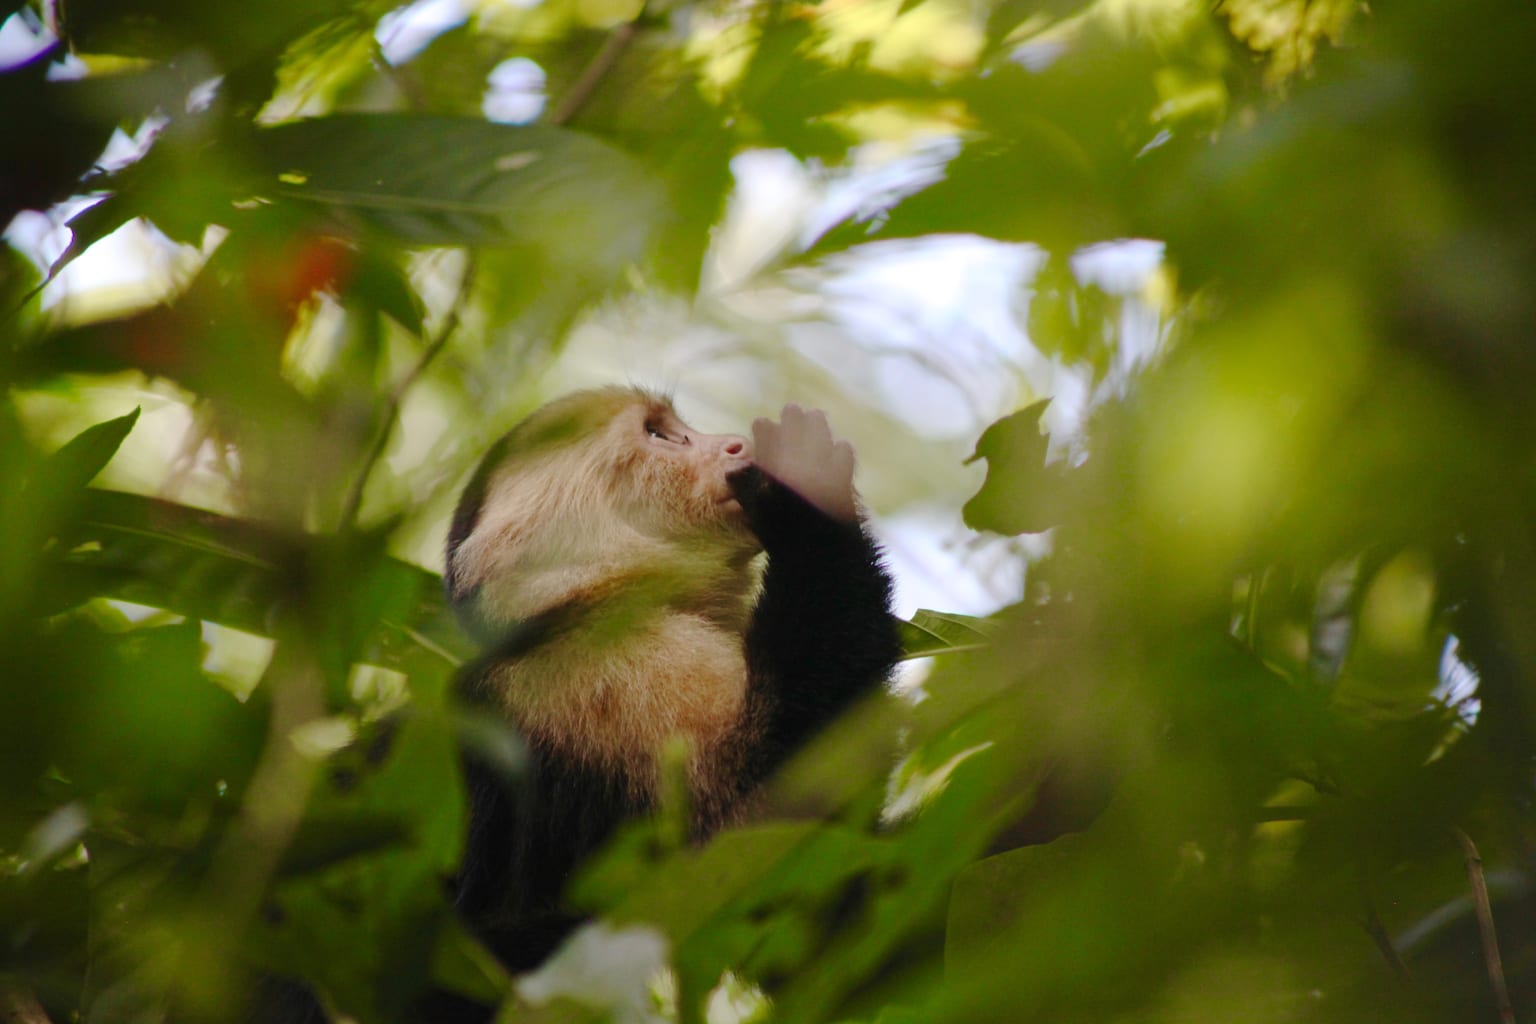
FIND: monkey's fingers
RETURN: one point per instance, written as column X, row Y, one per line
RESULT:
column 805, row 435
column 766, row 443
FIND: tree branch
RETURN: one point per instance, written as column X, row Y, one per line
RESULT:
column 445, row 332
column 593, row 74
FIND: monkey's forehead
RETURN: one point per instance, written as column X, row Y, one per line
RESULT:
column 579, row 416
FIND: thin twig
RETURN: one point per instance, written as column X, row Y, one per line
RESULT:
column 445, row 332
column 1378, row 933
column 593, row 74
column 1490, row 938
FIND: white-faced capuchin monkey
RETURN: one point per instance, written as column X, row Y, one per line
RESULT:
column 603, row 555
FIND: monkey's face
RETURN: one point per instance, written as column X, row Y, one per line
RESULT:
column 590, row 488
column 673, row 481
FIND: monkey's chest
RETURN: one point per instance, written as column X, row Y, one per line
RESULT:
column 622, row 705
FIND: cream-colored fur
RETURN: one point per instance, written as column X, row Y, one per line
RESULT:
column 587, row 512
column 617, row 707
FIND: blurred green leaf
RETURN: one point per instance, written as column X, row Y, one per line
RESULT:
column 366, row 918
column 1283, row 626
column 1021, row 493
column 234, row 573
column 458, row 181
column 148, row 730
column 85, row 455
column 162, row 28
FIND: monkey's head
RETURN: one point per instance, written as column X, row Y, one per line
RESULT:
column 593, row 492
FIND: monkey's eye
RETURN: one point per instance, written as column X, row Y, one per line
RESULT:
column 661, row 433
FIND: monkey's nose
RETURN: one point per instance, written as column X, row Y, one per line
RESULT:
column 739, row 447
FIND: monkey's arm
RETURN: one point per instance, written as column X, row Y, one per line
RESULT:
column 822, row 634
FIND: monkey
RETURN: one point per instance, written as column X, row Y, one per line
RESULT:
column 605, row 555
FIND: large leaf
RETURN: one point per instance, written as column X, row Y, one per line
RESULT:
column 164, row 28
column 232, row 572
column 464, row 181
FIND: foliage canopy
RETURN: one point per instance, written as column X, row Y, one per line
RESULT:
column 1275, row 675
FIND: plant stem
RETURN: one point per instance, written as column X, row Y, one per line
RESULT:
column 1491, row 958
column 445, row 332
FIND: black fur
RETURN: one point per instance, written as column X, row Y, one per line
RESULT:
column 821, row 636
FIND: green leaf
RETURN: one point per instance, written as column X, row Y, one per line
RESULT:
column 434, row 180
column 1021, row 493
column 149, row 730
column 233, row 33
column 91, row 225
column 460, row 964
column 75, row 465
column 365, row 921
column 930, row 633
column 323, row 843
column 672, row 895
column 380, row 282
column 228, row 571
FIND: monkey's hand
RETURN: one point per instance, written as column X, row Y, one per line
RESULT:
column 798, row 451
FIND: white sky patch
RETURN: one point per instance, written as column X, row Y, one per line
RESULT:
column 406, row 31
column 944, row 312
column 877, row 182
column 137, row 613
column 937, row 563
column 773, row 195
column 39, row 236
column 1124, row 268
column 1120, row 267
column 936, row 288
column 606, row 968
column 42, row 236
column 1458, row 682
column 23, row 37
column 124, row 149
column 137, row 261
column 1038, row 54
column 514, row 92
